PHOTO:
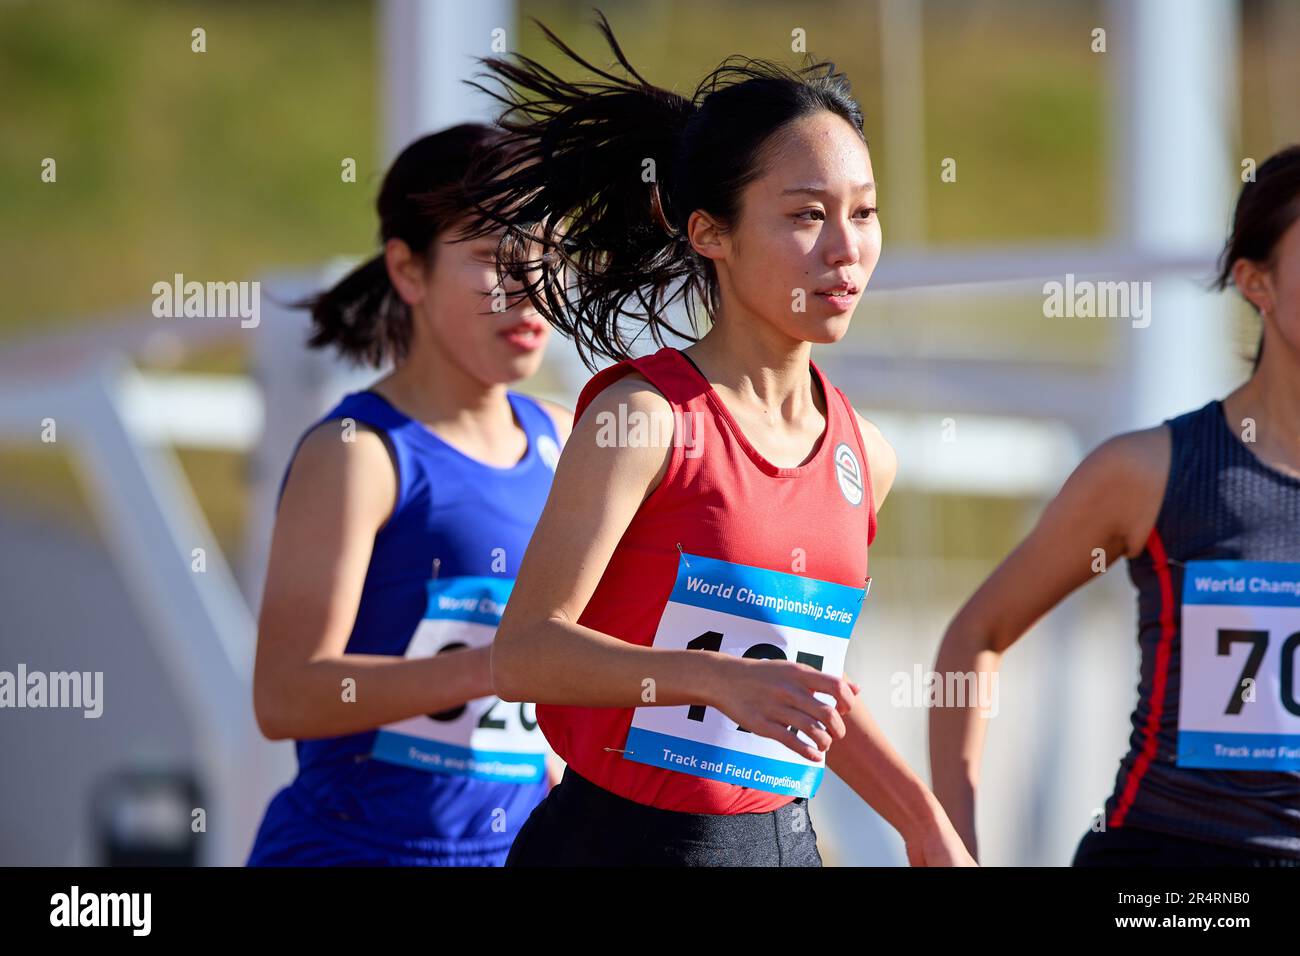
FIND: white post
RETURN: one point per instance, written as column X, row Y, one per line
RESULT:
column 902, row 78
column 428, row 49
column 1175, row 183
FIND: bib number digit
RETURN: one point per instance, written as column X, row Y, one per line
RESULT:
column 1260, row 641
column 488, row 722
column 1288, row 674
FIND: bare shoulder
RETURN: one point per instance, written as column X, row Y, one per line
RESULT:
column 625, row 434
column 343, row 461
column 563, row 417
column 1140, row 457
column 342, row 443
column 632, row 392
column 1124, row 478
column 882, row 460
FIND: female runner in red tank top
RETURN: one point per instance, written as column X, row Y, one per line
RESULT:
column 682, row 611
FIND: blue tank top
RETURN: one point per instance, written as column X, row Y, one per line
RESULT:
column 462, row 781
column 1215, row 748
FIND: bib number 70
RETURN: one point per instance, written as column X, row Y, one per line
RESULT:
column 1259, row 641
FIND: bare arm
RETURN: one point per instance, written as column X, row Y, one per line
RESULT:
column 1109, row 503
column 338, row 495
column 865, row 759
column 541, row 653
column 563, row 419
column 868, row 763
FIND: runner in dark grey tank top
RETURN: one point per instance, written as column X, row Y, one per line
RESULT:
column 1206, row 508
column 1221, row 503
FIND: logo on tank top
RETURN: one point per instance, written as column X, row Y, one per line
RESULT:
column 548, row 451
column 849, row 474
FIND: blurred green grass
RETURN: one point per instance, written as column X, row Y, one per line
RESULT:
column 220, row 163
column 226, row 164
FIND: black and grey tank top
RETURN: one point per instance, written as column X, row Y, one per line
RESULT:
column 1215, row 748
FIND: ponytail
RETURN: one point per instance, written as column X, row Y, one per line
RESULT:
column 362, row 316
column 599, row 177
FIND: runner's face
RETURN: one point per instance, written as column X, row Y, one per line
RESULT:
column 807, row 227
column 465, row 309
column 1284, row 278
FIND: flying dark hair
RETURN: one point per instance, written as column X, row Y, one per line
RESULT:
column 423, row 193
column 1266, row 209
column 600, row 176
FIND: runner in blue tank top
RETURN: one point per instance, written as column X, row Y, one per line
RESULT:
column 402, row 520
column 1206, row 507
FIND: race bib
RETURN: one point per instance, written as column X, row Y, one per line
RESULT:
column 1238, row 706
column 746, row 612
column 486, row 738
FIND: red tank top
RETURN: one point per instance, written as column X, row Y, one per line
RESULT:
column 731, row 504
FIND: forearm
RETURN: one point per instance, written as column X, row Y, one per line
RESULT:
column 957, row 736
column 867, row 762
column 557, row 661
column 359, row 692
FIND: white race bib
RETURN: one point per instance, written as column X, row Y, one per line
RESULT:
column 746, row 612
column 1239, row 701
column 486, row 738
